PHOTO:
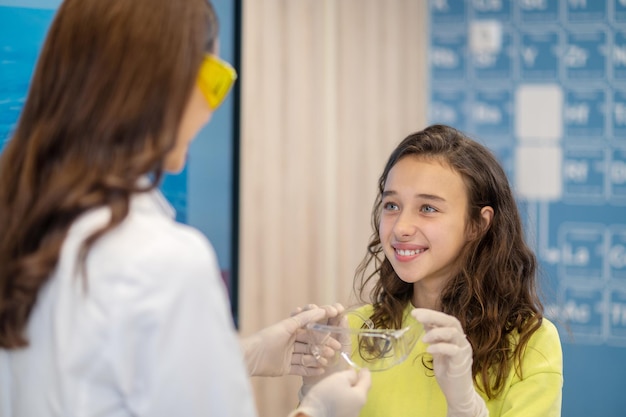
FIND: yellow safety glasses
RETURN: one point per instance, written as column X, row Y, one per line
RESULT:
column 215, row 79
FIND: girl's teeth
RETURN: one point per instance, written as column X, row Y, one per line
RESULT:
column 402, row 252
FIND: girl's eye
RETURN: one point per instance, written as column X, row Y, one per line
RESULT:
column 428, row 209
column 390, row 206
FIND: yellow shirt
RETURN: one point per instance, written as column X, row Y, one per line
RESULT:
column 410, row 389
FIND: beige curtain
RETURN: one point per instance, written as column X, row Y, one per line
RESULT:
column 329, row 87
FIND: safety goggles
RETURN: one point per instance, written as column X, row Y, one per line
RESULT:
column 215, row 79
column 363, row 346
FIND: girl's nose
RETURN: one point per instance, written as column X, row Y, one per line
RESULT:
column 405, row 226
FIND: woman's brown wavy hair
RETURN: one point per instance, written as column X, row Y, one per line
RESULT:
column 103, row 110
column 494, row 293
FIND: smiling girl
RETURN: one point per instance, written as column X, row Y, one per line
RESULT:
column 448, row 255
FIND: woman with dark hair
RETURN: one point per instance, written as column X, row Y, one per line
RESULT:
column 449, row 261
column 108, row 307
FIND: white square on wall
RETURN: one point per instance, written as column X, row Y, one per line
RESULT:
column 538, row 172
column 539, row 112
column 485, row 36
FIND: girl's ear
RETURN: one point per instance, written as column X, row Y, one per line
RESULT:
column 486, row 216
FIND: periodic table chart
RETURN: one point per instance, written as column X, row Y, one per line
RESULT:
column 543, row 84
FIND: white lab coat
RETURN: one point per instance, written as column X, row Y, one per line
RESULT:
column 150, row 335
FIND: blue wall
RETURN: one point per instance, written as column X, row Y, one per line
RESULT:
column 543, row 84
column 203, row 193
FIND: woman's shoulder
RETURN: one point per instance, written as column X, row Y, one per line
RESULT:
column 161, row 245
column 147, row 245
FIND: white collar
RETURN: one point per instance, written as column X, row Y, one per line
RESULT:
column 154, row 198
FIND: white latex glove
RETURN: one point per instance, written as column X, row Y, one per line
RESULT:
column 282, row 348
column 333, row 318
column 341, row 394
column 452, row 362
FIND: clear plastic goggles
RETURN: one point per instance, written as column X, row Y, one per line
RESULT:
column 364, row 347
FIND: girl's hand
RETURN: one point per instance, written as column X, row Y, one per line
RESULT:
column 452, row 362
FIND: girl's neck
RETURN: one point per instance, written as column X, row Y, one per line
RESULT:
column 425, row 296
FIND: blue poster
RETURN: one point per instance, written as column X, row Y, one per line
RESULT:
column 583, row 310
column 618, row 56
column 620, row 11
column 585, row 115
column 18, row 55
column 618, row 116
column 585, row 55
column 447, row 56
column 617, row 177
column 492, row 113
column 449, row 107
column 538, row 55
column 617, row 316
column 497, row 65
column 538, row 11
column 446, row 11
column 582, row 248
column 617, row 254
column 499, row 10
column 586, row 11
column 584, row 175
